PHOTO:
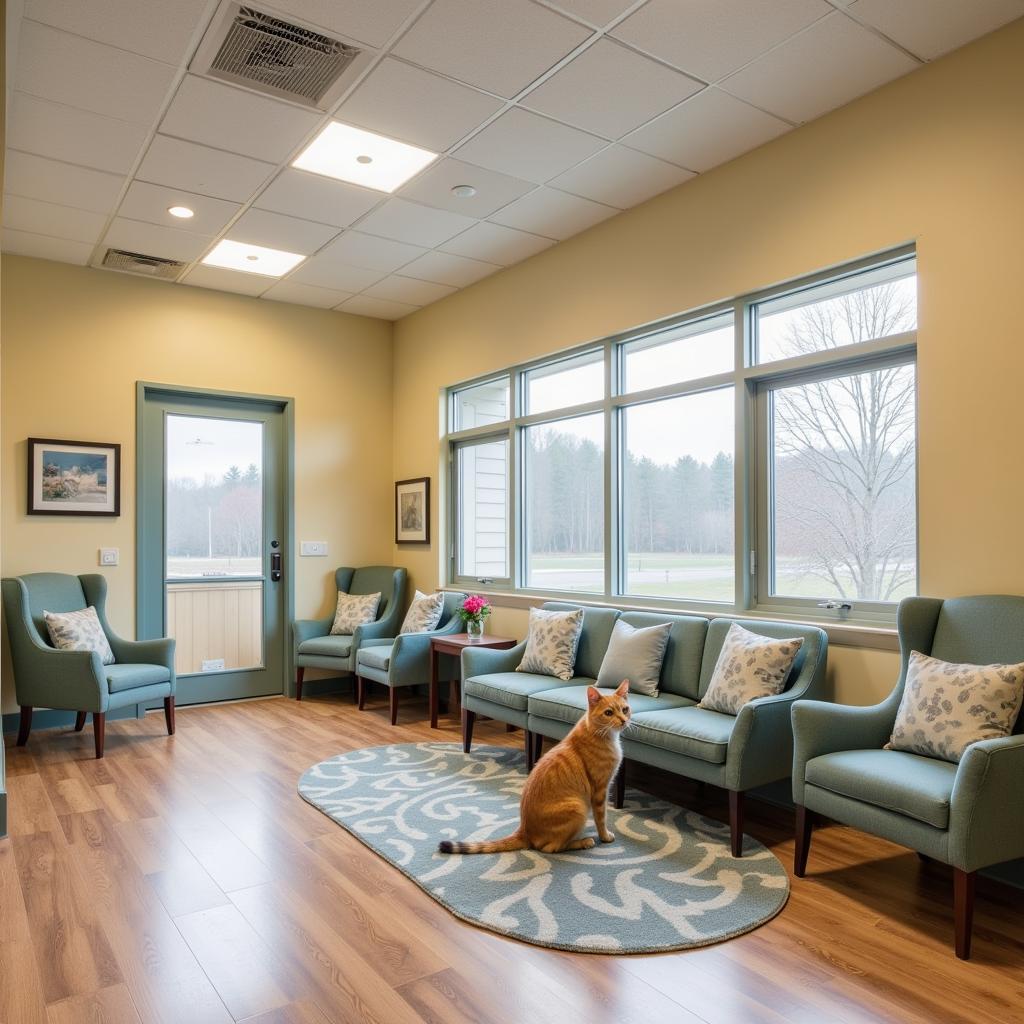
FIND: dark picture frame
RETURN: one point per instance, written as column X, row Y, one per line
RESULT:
column 412, row 511
column 73, row 478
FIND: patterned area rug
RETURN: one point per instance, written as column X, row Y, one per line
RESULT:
column 667, row 882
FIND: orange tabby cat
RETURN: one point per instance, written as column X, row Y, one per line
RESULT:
column 566, row 782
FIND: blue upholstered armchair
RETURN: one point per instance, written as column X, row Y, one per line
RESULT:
column 314, row 647
column 46, row 677
column 405, row 660
column 968, row 815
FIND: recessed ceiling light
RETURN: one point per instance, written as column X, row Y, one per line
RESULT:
column 252, row 259
column 363, row 158
column 464, row 191
column 181, row 211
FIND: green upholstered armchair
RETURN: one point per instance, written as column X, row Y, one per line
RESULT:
column 405, row 660
column 968, row 815
column 78, row 680
column 314, row 647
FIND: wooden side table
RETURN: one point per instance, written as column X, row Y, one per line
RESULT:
column 454, row 644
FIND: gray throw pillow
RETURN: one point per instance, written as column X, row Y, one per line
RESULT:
column 636, row 655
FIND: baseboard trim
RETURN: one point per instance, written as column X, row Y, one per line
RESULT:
column 48, row 718
column 321, row 687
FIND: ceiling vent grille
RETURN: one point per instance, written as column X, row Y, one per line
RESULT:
column 137, row 263
column 248, row 47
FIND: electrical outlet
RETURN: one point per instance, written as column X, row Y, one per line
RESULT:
column 109, row 556
column 213, row 664
column 316, row 548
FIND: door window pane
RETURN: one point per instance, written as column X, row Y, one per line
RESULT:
column 684, row 353
column 482, row 515
column 843, row 504
column 564, row 504
column 875, row 304
column 564, row 383
column 481, row 404
column 677, row 486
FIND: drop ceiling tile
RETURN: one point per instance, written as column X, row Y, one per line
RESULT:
column 710, row 38
column 234, row 119
column 409, row 290
column 195, row 168
column 41, row 218
column 493, row 190
column 369, row 21
column 325, row 270
column 494, row 243
column 141, row 26
column 155, row 240
column 444, row 268
column 150, row 203
column 68, row 69
column 410, row 222
column 314, row 197
column 305, row 294
column 528, row 146
column 56, row 182
column 706, row 130
column 276, row 231
column 382, row 309
column 830, row 64
column 497, row 45
column 53, row 130
column 552, row 213
column 63, row 250
column 415, row 106
column 594, row 12
column 621, row 177
column 228, row 280
column 930, row 28
column 372, row 252
column 609, row 90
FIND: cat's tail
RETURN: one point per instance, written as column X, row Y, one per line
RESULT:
column 512, row 842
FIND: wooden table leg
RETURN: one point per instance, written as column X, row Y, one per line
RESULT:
column 434, row 659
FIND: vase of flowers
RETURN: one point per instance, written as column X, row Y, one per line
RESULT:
column 473, row 612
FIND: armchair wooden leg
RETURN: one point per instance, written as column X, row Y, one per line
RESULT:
column 360, row 692
column 620, row 785
column 963, row 911
column 99, row 723
column 804, row 828
column 25, row 726
column 80, row 720
column 393, row 701
column 299, row 673
column 736, row 800
column 530, row 748
column 468, row 721
column 169, row 714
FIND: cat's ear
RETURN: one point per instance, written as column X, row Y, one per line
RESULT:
column 623, row 688
column 593, row 696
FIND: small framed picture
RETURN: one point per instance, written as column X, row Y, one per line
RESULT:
column 73, row 478
column 412, row 511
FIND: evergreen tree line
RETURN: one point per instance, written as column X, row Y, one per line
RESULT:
column 215, row 518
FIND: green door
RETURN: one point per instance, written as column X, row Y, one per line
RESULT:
column 212, row 544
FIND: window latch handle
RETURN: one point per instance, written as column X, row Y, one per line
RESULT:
column 842, row 606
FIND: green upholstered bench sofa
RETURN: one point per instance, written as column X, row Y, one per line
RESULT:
column 669, row 731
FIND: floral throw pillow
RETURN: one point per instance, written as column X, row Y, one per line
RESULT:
column 946, row 707
column 79, row 631
column 551, row 643
column 424, row 613
column 354, row 610
column 749, row 666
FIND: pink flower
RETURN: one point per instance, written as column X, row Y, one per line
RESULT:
column 475, row 605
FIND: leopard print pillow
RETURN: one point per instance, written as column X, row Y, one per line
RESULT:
column 551, row 643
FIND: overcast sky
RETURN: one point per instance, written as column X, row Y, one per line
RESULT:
column 198, row 446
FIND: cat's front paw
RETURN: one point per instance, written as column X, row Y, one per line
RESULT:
column 607, row 837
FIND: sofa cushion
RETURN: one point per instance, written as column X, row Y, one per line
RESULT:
column 680, row 667
column 377, row 656
column 635, row 653
column 354, row 610
column 551, row 642
column 128, row 676
column 327, row 646
column 569, row 704
column 514, row 688
column 691, row 731
column 919, row 787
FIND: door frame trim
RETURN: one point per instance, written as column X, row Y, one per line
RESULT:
column 144, row 532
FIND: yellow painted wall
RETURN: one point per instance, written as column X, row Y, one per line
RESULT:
column 76, row 340
column 937, row 158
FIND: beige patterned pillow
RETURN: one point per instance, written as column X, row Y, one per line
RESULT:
column 946, row 707
column 551, row 643
column 749, row 666
column 79, row 631
column 354, row 610
column 424, row 613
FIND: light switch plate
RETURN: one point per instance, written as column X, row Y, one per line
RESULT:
column 315, row 548
column 109, row 556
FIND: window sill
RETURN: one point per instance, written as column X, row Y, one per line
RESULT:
column 841, row 634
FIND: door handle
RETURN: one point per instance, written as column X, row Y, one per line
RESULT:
column 275, row 562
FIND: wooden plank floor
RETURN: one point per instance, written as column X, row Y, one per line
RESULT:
column 183, row 880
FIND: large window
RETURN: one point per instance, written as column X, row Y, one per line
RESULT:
column 634, row 467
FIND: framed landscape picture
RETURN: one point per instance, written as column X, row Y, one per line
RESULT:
column 412, row 511
column 73, row 478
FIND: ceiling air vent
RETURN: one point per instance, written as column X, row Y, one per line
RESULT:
column 249, row 47
column 137, row 263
